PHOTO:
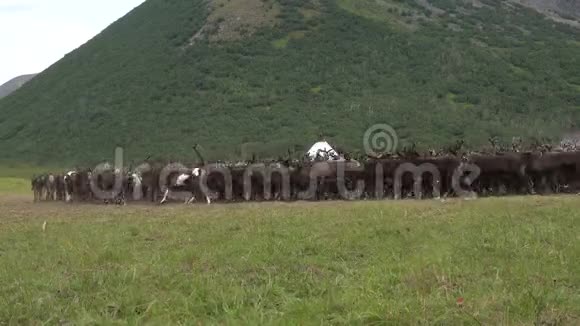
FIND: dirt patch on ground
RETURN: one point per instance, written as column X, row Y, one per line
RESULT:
column 21, row 207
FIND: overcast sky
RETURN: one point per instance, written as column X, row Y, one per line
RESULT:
column 36, row 33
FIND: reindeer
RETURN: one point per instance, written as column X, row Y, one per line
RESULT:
column 187, row 181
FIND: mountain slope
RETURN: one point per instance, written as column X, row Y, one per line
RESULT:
column 14, row 84
column 267, row 75
column 565, row 8
column 562, row 11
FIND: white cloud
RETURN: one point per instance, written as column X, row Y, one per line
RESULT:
column 36, row 33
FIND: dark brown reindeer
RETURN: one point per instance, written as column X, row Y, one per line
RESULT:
column 37, row 187
column 109, row 183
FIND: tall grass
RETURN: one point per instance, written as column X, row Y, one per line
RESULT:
column 511, row 261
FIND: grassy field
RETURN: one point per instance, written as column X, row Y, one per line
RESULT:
column 12, row 185
column 24, row 171
column 512, row 261
column 15, row 179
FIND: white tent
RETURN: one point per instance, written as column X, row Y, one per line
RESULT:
column 323, row 149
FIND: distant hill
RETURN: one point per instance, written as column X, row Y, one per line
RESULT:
column 267, row 75
column 14, row 84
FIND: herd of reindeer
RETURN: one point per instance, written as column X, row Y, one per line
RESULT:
column 453, row 172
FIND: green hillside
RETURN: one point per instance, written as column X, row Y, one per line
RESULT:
column 267, row 75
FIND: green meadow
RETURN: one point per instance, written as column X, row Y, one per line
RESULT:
column 511, row 261
column 15, row 179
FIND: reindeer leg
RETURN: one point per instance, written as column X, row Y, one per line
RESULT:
column 121, row 199
column 67, row 196
column 164, row 200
